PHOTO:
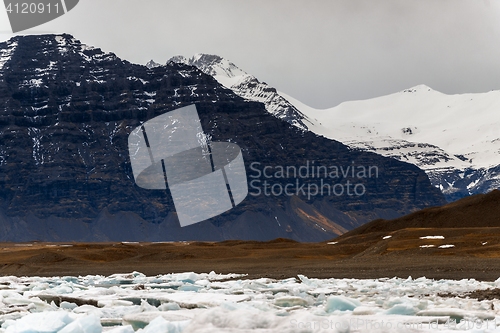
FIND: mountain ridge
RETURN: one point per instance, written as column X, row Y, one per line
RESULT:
column 65, row 173
column 397, row 126
column 246, row 86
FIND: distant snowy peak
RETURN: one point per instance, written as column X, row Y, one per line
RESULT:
column 224, row 71
column 464, row 125
column 418, row 88
column 246, row 86
column 454, row 138
column 152, row 64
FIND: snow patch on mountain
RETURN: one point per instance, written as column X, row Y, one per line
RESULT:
column 5, row 53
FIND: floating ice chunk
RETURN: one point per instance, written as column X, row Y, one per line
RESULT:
column 218, row 320
column 62, row 289
column 17, row 299
column 170, row 306
column 365, row 310
column 88, row 310
column 141, row 320
column 332, row 243
column 189, row 287
column 130, row 278
column 191, row 299
column 122, row 329
column 87, row 324
column 386, row 237
column 161, row 325
column 68, row 305
column 46, row 322
column 12, row 316
column 426, row 246
column 340, row 303
column 212, row 276
column 112, row 303
column 203, row 283
column 289, row 301
column 190, row 277
column 319, row 291
column 432, row 237
column 308, row 282
column 446, row 246
column 404, row 309
column 146, row 307
column 456, row 314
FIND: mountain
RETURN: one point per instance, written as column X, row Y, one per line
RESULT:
column 454, row 138
column 152, row 64
column 246, row 86
column 65, row 173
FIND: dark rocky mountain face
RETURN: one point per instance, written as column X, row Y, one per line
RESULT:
column 66, row 111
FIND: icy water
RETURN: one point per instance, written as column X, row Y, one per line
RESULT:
column 190, row 302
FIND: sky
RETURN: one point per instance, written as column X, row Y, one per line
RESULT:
column 322, row 52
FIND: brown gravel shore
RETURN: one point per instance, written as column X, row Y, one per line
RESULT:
column 457, row 241
column 275, row 259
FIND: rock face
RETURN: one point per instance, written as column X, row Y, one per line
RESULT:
column 67, row 110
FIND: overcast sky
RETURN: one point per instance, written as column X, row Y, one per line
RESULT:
column 321, row 52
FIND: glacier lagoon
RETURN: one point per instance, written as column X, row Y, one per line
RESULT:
column 210, row 302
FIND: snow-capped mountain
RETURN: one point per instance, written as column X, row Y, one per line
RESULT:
column 152, row 64
column 65, row 172
column 454, row 138
column 246, row 86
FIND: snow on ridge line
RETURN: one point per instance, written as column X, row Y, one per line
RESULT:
column 224, row 71
column 419, row 115
column 246, row 86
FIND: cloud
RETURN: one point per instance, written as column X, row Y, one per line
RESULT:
column 321, row 52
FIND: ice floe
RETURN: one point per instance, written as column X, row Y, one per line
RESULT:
column 209, row 302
